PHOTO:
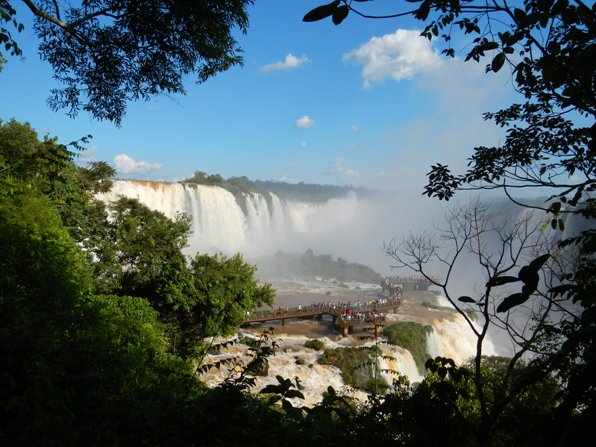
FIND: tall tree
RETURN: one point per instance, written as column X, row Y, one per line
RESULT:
column 509, row 251
column 109, row 52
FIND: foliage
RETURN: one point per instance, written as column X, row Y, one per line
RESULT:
column 354, row 363
column 7, row 16
column 225, row 291
column 109, row 52
column 317, row 345
column 411, row 336
column 71, row 362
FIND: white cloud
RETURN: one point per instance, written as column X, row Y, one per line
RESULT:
column 355, row 127
column 125, row 165
column 351, row 148
column 303, row 144
column 395, row 56
column 305, row 122
column 346, row 173
column 291, row 62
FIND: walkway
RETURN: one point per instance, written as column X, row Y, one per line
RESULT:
column 339, row 313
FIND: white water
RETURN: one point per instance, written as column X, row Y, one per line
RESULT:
column 451, row 337
column 220, row 225
column 349, row 227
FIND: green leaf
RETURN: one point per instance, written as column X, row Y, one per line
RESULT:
column 561, row 290
column 321, row 12
column 498, row 62
column 555, row 207
column 466, row 299
column 512, row 300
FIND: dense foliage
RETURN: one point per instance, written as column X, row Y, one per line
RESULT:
column 357, row 367
column 109, row 52
column 411, row 336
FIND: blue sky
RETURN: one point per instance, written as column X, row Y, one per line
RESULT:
column 367, row 103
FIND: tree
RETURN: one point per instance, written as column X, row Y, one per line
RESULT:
column 109, row 52
column 226, row 291
column 508, row 251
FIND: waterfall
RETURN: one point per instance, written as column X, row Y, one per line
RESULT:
column 218, row 222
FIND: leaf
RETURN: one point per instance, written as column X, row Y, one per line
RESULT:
column 466, row 299
column 498, row 62
column 273, row 399
column 340, row 14
column 320, row 12
column 490, row 46
column 270, row 389
column 528, row 275
column 423, row 11
column 500, row 280
column 561, row 290
column 294, row 393
column 512, row 300
column 537, row 263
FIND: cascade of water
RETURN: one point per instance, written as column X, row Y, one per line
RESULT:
column 218, row 224
column 453, row 338
column 396, row 359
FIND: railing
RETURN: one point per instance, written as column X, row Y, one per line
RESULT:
column 313, row 310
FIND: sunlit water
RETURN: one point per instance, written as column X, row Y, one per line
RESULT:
column 451, row 337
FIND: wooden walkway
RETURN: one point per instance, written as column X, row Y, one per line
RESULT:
column 337, row 312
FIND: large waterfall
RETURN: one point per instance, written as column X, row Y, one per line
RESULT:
column 349, row 227
column 219, row 223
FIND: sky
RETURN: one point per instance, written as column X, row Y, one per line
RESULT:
column 368, row 103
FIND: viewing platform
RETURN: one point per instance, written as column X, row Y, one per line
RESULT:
column 342, row 314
